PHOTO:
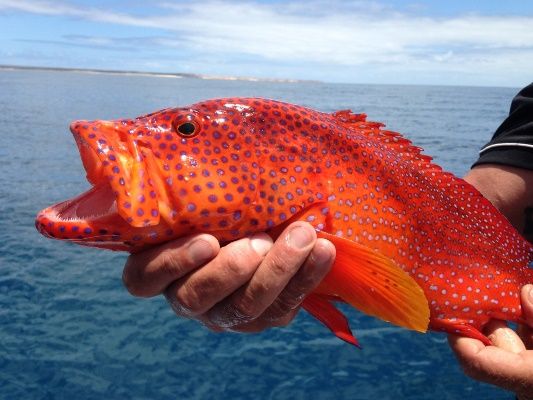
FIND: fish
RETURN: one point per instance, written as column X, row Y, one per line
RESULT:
column 416, row 246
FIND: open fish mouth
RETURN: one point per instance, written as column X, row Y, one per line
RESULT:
column 76, row 218
column 121, row 196
column 100, row 200
column 97, row 203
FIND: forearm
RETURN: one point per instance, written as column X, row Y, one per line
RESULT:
column 508, row 363
column 510, row 189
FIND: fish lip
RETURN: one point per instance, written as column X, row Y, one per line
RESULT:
column 90, row 159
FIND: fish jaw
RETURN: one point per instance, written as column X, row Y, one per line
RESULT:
column 89, row 219
column 121, row 204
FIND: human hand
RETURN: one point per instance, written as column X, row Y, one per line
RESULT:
column 247, row 286
column 509, row 363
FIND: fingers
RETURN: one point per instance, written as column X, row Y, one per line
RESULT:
column 284, row 308
column 272, row 276
column 504, row 337
column 507, row 364
column 308, row 277
column 249, row 285
column 235, row 264
column 526, row 330
column 149, row 272
column 494, row 365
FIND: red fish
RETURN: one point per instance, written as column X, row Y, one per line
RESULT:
column 416, row 246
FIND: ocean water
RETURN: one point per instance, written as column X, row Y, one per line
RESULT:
column 68, row 328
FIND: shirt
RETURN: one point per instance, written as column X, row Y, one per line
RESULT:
column 512, row 143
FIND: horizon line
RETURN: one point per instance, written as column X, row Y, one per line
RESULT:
column 179, row 75
column 155, row 74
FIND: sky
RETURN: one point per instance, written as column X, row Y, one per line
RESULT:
column 468, row 42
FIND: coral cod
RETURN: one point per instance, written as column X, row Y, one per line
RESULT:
column 416, row 246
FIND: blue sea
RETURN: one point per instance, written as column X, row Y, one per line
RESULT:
column 69, row 329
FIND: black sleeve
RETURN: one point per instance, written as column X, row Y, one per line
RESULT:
column 512, row 143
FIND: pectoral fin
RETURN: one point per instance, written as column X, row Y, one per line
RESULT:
column 375, row 285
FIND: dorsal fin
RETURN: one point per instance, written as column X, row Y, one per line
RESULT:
column 359, row 124
column 402, row 146
column 450, row 184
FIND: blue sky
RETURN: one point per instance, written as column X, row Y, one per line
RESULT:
column 406, row 42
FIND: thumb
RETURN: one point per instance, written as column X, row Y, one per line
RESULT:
column 527, row 304
column 525, row 330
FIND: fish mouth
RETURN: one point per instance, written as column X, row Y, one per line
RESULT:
column 97, row 203
column 90, row 218
column 121, row 196
column 75, row 218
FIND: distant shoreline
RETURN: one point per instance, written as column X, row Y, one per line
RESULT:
column 177, row 75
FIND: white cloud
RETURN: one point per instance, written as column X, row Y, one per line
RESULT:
column 332, row 33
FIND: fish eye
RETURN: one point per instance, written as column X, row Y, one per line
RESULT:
column 187, row 129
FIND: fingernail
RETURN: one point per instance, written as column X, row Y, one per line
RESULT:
column 261, row 243
column 200, row 251
column 299, row 237
column 321, row 254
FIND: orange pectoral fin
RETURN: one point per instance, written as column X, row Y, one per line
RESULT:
column 321, row 308
column 375, row 285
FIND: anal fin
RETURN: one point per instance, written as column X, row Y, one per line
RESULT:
column 459, row 327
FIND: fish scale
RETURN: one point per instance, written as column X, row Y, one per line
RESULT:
column 418, row 237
